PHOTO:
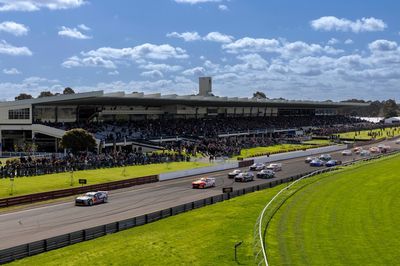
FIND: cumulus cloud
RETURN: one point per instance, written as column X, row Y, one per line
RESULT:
column 348, row 41
column 223, row 7
column 218, row 37
column 35, row 5
column 382, row 46
column 186, row 36
column 8, row 49
column 91, row 61
column 331, row 23
column 154, row 74
column 248, row 44
column 194, row 2
column 333, row 41
column 113, row 73
column 196, row 71
column 11, row 71
column 14, row 28
column 73, row 33
column 161, row 67
column 84, row 27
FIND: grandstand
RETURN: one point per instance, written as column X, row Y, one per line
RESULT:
column 138, row 119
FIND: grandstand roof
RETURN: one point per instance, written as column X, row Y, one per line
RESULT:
column 122, row 98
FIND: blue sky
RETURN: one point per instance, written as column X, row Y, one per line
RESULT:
column 292, row 49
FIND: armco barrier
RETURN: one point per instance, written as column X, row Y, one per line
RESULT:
column 31, row 198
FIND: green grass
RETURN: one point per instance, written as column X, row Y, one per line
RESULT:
column 363, row 135
column 42, row 183
column 207, row 236
column 350, row 219
column 318, row 142
column 259, row 151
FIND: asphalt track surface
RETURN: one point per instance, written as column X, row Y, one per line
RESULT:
column 36, row 223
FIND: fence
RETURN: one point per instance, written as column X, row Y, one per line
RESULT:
column 31, row 198
column 262, row 222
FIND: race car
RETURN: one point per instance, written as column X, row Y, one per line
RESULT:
column 365, row 153
column 317, row 163
column 383, row 148
column 357, row 150
column 234, row 173
column 275, row 167
column 257, row 167
column 91, row 198
column 266, row 174
column 397, row 141
column 346, row 153
column 374, row 150
column 309, row 159
column 204, row 182
column 331, row 163
column 244, row 177
column 325, row 157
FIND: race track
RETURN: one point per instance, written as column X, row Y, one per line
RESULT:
column 36, row 223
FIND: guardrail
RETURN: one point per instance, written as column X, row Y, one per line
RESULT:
column 31, row 198
column 261, row 225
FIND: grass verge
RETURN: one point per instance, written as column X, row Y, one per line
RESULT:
column 42, row 183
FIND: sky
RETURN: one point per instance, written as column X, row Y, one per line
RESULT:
column 294, row 49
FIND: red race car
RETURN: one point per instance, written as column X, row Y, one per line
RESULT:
column 204, row 182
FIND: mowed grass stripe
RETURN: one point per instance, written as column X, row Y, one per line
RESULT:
column 349, row 218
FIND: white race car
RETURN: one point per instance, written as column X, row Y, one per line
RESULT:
column 397, row 141
column 91, row 198
column 257, row 167
column 346, row 153
column 204, row 182
column 275, row 167
column 234, row 173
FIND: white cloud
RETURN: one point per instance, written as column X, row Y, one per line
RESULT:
column 331, row 23
column 161, row 67
column 218, row 37
column 73, row 33
column 154, row 74
column 193, row 2
column 223, row 7
column 382, row 46
column 6, row 48
column 248, row 44
column 186, row 36
column 254, row 61
column 348, row 41
column 83, row 27
column 14, row 28
column 35, row 5
column 113, row 73
column 91, row 61
column 196, row 71
column 11, row 71
column 333, row 41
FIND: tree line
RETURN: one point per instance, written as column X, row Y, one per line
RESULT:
column 25, row 96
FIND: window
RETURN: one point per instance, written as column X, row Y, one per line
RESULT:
column 19, row 114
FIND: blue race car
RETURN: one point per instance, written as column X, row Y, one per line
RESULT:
column 317, row 163
column 331, row 163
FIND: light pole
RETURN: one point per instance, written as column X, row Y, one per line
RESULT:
column 12, row 186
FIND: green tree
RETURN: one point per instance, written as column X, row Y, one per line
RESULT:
column 45, row 94
column 259, row 95
column 78, row 139
column 23, row 96
column 389, row 108
column 68, row 90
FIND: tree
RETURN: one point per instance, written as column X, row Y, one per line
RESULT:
column 259, row 95
column 389, row 108
column 78, row 139
column 23, row 96
column 45, row 94
column 68, row 90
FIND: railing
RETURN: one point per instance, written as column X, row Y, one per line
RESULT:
column 262, row 223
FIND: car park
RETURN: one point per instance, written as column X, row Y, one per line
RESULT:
column 266, row 174
column 244, row 177
column 204, row 182
column 317, row 163
column 347, row 153
column 331, row 163
column 234, row 173
column 275, row 167
column 325, row 157
column 92, row 198
column 257, row 167
column 309, row 159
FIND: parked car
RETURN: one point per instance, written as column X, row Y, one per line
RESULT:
column 317, row 163
column 204, row 182
column 309, row 159
column 244, row 177
column 331, row 163
column 266, row 174
column 347, row 153
column 257, row 167
column 92, row 198
column 275, row 167
column 325, row 157
column 234, row 173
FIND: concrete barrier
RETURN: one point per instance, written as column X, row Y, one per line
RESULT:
column 197, row 171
